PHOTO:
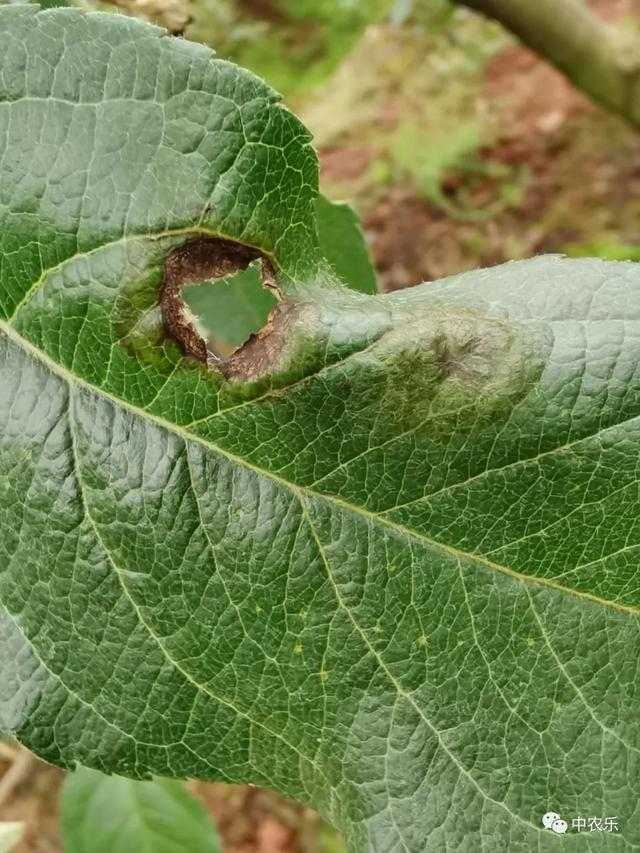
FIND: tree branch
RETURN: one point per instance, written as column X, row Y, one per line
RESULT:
column 597, row 58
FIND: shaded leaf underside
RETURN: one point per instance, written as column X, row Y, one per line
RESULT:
column 401, row 587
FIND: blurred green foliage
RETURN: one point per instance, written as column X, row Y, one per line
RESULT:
column 294, row 44
column 607, row 249
column 427, row 160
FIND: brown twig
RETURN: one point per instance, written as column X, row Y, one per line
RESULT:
column 18, row 770
column 599, row 58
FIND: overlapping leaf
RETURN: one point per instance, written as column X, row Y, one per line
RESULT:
column 111, row 814
column 388, row 566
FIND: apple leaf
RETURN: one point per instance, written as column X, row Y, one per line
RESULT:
column 111, row 814
column 381, row 558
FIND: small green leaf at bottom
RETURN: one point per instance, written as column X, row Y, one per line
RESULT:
column 111, row 814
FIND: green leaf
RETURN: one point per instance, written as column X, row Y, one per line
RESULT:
column 383, row 558
column 342, row 244
column 110, row 814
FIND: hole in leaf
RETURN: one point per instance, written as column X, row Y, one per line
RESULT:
column 216, row 295
column 231, row 309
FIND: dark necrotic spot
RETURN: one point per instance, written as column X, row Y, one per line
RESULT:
column 205, row 259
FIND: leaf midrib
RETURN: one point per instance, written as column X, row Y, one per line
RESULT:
column 449, row 550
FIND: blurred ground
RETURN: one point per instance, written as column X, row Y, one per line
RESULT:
column 459, row 149
column 476, row 158
column 249, row 819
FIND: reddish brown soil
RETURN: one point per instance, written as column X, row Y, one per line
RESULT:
column 584, row 165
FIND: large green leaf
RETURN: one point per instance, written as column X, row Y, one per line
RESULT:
column 383, row 558
column 111, row 814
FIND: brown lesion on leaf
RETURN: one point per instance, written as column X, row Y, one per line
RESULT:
column 456, row 357
column 260, row 352
column 210, row 258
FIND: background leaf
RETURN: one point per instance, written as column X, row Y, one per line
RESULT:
column 110, row 814
column 295, row 44
column 342, row 244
